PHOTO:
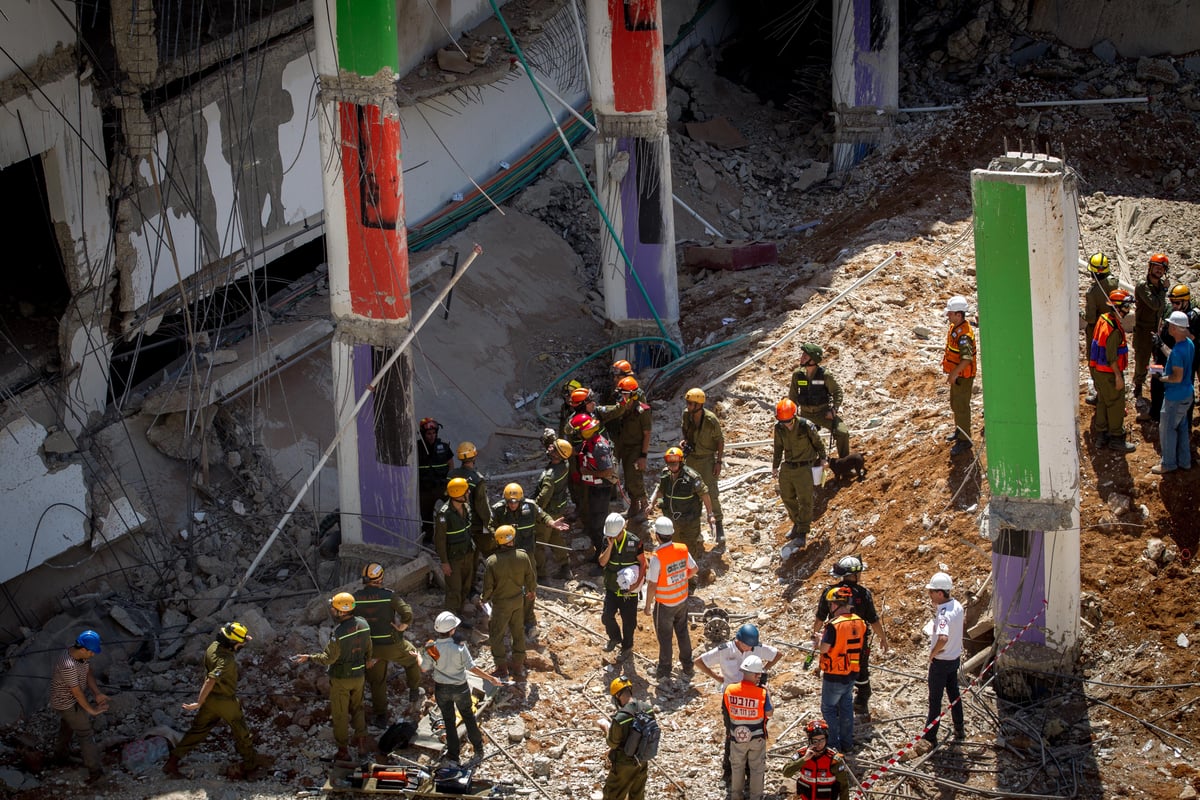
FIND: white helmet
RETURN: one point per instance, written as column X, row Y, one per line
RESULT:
column 664, row 528
column 1179, row 318
column 940, row 580
column 753, row 663
column 957, row 303
column 446, row 622
column 628, row 577
column 614, row 523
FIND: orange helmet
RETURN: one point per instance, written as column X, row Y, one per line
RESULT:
column 628, row 384
column 1160, row 258
column 622, row 367
column 1119, row 298
column 589, row 427
column 785, row 409
column 580, row 396
column 673, row 455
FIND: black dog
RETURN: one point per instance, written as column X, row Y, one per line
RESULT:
column 843, row 467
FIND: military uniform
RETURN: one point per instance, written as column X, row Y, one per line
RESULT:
column 626, row 775
column 508, row 577
column 221, row 705
column 705, row 442
column 433, row 469
column 627, row 551
column 453, row 543
column 680, row 496
column 1109, row 351
column 796, row 451
column 380, row 607
column 1151, row 300
column 628, row 428
column 481, row 512
column 960, row 347
column 553, row 488
column 819, row 776
column 533, row 525
column 1096, row 301
column 595, row 455
column 346, row 655
column 818, row 395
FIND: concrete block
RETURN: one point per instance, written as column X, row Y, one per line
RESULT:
column 1106, row 51
column 1157, row 70
column 1031, row 53
column 731, row 256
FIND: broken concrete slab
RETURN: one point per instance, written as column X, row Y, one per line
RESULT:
column 731, row 255
column 718, row 132
column 454, row 61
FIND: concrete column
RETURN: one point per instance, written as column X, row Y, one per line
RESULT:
column 866, row 76
column 365, row 237
column 633, row 166
column 1026, row 253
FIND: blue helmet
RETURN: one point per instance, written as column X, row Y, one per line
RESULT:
column 89, row 640
column 748, row 635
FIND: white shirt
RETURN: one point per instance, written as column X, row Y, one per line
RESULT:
column 729, row 659
column 948, row 622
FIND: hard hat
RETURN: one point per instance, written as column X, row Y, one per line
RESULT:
column 466, row 451
column 513, row 491
column 446, row 622
column 619, row 685
column 695, row 396
column 563, row 447
column 614, row 523
column 505, row 534
column 578, row 420
column 89, row 640
column 784, row 410
column 571, row 386
column 848, row 565
column 664, row 528
column 673, row 455
column 628, row 384
column 457, row 488
column 958, row 303
column 373, row 571
column 236, row 632
column 342, row 601
column 754, row 664
column 839, row 595
column 1119, row 298
column 748, row 635
column 627, row 578
column 622, row 367
column 1160, row 258
column 817, row 727
column 429, row 424
column 580, row 396
column 589, row 428
column 814, row 351
column 1098, row 263
column 1180, row 291
column 940, row 580
column 1178, row 318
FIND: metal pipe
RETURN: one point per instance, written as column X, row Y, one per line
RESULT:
column 923, row 109
column 1098, row 101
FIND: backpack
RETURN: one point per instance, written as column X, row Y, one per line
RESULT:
column 641, row 743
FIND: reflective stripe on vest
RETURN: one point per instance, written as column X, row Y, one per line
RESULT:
column 672, row 586
column 374, row 604
column 681, row 505
column 747, row 706
column 812, row 391
column 458, row 538
column 843, row 656
column 623, row 555
column 1098, row 353
column 954, row 355
column 353, row 635
column 817, row 779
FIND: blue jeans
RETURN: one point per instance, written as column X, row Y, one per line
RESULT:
column 1173, row 434
column 837, row 708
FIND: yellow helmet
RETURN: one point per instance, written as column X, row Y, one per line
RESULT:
column 695, row 396
column 342, row 601
column 373, row 572
column 673, row 455
column 457, row 488
column 513, row 491
column 1098, row 263
column 236, row 632
column 505, row 534
column 564, row 448
column 1180, row 292
column 619, row 685
column 466, row 451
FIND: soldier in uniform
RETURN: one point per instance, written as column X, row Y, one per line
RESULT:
column 628, row 423
column 626, row 775
column 533, row 528
column 553, row 487
column 389, row 616
column 596, row 471
column 682, row 493
column 798, row 448
column 1150, row 298
column 583, row 402
column 818, row 396
column 819, row 770
column 622, row 551
column 703, row 446
column 433, row 468
column 509, row 584
column 453, row 543
column 1100, row 285
column 481, row 511
column 960, row 362
column 347, row 655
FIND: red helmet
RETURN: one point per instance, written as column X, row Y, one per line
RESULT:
column 628, row 384
column 589, row 427
column 428, row 423
column 1160, row 258
column 622, row 367
column 577, row 421
column 817, row 727
column 784, row 410
column 580, row 396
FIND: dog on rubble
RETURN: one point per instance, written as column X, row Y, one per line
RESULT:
column 851, row 464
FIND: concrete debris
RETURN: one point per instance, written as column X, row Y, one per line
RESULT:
column 216, row 358
column 718, row 132
column 731, row 255
column 123, row 618
column 1182, row 641
column 516, row 731
column 59, row 443
column 453, row 61
column 1157, row 70
column 16, row 781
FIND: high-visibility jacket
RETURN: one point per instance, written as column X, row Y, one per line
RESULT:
column 672, row 586
column 353, row 636
column 953, row 353
column 626, row 552
column 844, row 654
column 746, row 707
column 817, row 777
column 1098, row 355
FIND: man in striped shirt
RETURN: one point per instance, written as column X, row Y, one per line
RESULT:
column 71, row 674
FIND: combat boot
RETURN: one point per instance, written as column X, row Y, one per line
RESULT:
column 1119, row 444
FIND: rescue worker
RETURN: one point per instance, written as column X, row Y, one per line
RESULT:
column 1177, row 375
column 347, row 655
column 481, row 511
column 1102, row 283
column 533, row 525
column 567, row 409
column 1150, row 299
column 626, row 775
column 72, row 675
column 509, row 584
column 862, row 603
column 433, row 468
column 818, row 396
column 703, row 446
column 389, row 617
column 682, row 493
column 1107, row 359
column 217, row 703
column 959, row 366
column 453, row 542
column 945, row 650
column 629, row 425
column 582, row 401
column 1180, row 299
column 746, row 708
column 841, row 648
column 622, row 551
column 450, row 661
column 553, row 487
column 798, row 448
column 820, row 771
column 668, row 572
column 597, row 474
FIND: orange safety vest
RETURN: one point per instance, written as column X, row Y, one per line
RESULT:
column 1098, row 355
column 672, row 586
column 954, row 355
column 817, row 779
column 843, row 656
column 746, row 705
